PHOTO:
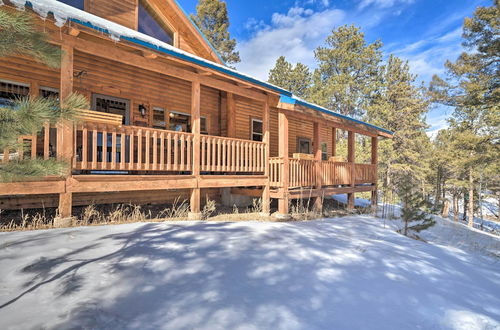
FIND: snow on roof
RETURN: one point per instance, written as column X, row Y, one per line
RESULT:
column 63, row 13
column 300, row 101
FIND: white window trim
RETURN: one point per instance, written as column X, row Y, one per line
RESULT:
column 252, row 132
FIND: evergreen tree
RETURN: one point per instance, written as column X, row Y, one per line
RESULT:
column 347, row 73
column 401, row 106
column 213, row 21
column 413, row 207
column 19, row 36
column 472, row 86
column 26, row 116
column 295, row 79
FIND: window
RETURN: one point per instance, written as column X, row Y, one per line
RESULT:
column 257, row 132
column 303, row 145
column 74, row 3
column 203, row 125
column 11, row 91
column 49, row 93
column 150, row 24
column 324, row 151
column 110, row 104
column 181, row 122
column 159, row 118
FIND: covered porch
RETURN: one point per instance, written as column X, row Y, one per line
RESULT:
column 313, row 176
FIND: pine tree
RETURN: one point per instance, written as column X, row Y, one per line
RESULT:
column 213, row 21
column 347, row 73
column 400, row 106
column 19, row 36
column 26, row 116
column 295, row 79
column 472, row 87
column 413, row 207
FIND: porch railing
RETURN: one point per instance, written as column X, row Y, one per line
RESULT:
column 110, row 146
column 41, row 145
column 131, row 148
column 302, row 173
column 221, row 154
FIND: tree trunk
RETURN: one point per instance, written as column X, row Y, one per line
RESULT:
column 438, row 188
column 471, row 200
column 480, row 198
column 455, row 207
column 446, row 209
column 464, row 216
column 498, row 215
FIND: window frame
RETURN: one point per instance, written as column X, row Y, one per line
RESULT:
column 20, row 84
column 304, row 139
column 160, row 19
column 324, row 154
column 165, row 122
column 252, row 132
column 207, row 122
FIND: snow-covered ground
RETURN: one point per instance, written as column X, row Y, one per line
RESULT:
column 333, row 274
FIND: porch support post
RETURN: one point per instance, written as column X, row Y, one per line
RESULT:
column 318, row 201
column 266, row 200
column 334, row 141
column 283, row 154
column 351, row 158
column 65, row 134
column 65, row 129
column 195, row 213
column 375, row 172
column 231, row 116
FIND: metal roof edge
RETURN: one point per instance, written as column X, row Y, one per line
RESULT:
column 293, row 100
column 188, row 58
column 201, row 33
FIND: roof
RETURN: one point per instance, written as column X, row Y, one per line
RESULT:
column 199, row 31
column 63, row 13
column 298, row 101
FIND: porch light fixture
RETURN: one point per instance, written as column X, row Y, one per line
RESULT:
column 142, row 110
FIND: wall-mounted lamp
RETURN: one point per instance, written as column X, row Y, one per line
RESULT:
column 142, row 110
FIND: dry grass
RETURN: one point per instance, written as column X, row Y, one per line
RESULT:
column 300, row 209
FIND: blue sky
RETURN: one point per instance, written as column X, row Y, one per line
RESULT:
column 424, row 32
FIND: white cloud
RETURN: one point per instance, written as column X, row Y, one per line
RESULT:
column 427, row 56
column 382, row 3
column 295, row 35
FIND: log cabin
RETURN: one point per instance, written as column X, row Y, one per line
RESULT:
column 168, row 118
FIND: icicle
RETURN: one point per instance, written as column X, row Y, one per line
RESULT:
column 114, row 37
column 41, row 10
column 20, row 4
column 60, row 19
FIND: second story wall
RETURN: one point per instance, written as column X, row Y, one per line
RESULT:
column 123, row 12
column 157, row 16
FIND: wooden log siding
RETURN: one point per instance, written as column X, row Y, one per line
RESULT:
column 132, row 148
column 221, row 154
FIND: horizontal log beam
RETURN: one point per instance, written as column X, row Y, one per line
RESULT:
column 126, row 57
column 220, row 181
column 32, row 188
column 306, row 193
column 247, row 192
column 99, row 183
